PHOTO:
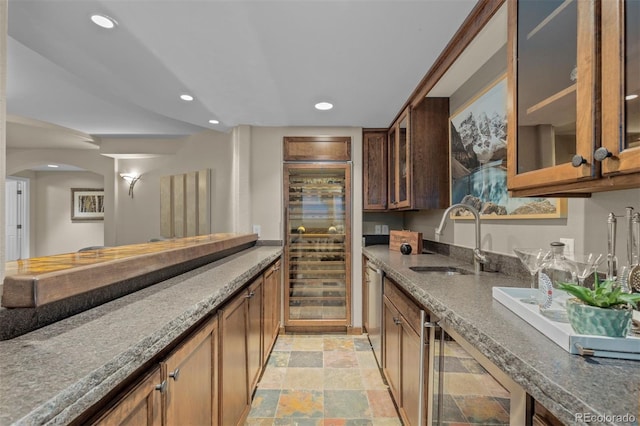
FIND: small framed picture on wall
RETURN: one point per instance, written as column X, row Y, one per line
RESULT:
column 87, row 204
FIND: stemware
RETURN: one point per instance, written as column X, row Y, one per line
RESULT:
column 586, row 264
column 532, row 259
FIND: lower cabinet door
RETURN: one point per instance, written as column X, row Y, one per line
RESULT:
column 391, row 343
column 254, row 334
column 234, row 378
column 190, row 374
column 141, row 406
column 410, row 366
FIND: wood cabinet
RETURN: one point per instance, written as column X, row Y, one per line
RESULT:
column 254, row 299
column 141, row 406
column 621, row 87
column 400, row 162
column 374, row 166
column 561, row 97
column 209, row 376
column 235, row 399
column 182, row 389
column 191, row 375
column 404, row 363
column 272, row 296
column 419, row 157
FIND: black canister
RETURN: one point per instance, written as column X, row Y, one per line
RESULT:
column 405, row 248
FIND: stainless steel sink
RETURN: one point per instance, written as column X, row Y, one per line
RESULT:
column 440, row 270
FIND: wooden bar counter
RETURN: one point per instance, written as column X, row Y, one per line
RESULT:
column 41, row 291
column 34, row 282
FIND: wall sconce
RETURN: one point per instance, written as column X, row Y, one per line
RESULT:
column 131, row 179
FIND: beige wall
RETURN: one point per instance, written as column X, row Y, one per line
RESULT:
column 586, row 223
column 137, row 219
column 54, row 231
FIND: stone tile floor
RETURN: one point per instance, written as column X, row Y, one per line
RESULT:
column 322, row 380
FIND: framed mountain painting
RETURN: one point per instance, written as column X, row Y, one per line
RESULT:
column 478, row 166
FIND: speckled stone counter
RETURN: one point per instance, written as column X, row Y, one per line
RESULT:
column 565, row 384
column 53, row 374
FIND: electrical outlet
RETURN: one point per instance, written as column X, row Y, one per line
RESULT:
column 569, row 247
column 256, row 230
column 378, row 230
column 385, row 229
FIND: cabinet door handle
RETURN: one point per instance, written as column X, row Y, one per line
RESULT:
column 175, row 374
column 602, row 153
column 396, row 321
column 162, row 386
column 250, row 294
column 578, row 160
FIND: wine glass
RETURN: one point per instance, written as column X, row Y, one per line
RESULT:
column 586, row 264
column 532, row 259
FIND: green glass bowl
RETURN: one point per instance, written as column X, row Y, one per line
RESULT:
column 592, row 320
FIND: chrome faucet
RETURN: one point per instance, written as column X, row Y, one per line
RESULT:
column 479, row 258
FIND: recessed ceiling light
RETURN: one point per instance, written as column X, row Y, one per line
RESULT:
column 53, row 166
column 104, row 21
column 630, row 97
column 186, row 97
column 214, row 122
column 324, row 106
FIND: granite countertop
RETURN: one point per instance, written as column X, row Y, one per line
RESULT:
column 53, row 374
column 565, row 384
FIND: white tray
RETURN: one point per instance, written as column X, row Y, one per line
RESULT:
column 562, row 333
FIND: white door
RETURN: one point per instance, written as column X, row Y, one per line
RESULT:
column 14, row 217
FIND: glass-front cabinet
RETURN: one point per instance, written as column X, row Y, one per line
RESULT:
column 399, row 166
column 552, row 74
column 620, row 87
column 317, row 250
column 573, row 119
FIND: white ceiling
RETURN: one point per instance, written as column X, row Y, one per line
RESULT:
column 262, row 62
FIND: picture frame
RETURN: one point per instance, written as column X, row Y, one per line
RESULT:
column 478, row 162
column 87, row 204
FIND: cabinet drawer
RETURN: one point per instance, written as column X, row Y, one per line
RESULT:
column 409, row 310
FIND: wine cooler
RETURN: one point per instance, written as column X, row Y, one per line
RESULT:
column 318, row 245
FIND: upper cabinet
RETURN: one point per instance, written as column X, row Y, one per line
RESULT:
column 620, row 87
column 399, row 164
column 560, row 95
column 374, row 179
column 418, row 157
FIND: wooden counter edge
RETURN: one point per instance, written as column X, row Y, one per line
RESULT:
column 24, row 291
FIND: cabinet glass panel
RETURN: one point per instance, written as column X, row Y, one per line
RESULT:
column 546, row 89
column 463, row 391
column 393, row 196
column 317, row 281
column 402, row 160
column 632, row 73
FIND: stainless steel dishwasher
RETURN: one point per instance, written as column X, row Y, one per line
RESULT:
column 374, row 309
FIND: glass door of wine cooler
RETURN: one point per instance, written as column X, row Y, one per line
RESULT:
column 317, row 250
column 468, row 389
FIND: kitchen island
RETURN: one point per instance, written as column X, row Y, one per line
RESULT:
column 54, row 374
column 567, row 385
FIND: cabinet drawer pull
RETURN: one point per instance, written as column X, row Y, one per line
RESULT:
column 175, row 374
column 162, row 386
